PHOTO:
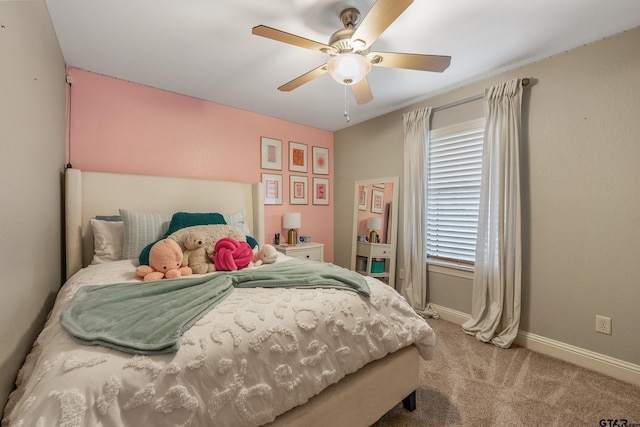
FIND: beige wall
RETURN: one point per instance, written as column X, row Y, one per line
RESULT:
column 32, row 136
column 581, row 203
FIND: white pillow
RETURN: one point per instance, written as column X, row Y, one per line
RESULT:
column 237, row 219
column 108, row 240
column 140, row 229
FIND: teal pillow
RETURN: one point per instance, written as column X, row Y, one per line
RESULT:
column 252, row 242
column 181, row 220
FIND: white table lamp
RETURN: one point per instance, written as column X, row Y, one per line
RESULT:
column 292, row 221
column 374, row 223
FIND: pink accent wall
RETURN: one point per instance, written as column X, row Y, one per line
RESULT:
column 119, row 126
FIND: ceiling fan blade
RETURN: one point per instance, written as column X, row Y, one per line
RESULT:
column 381, row 15
column 307, row 77
column 362, row 92
column 281, row 36
column 410, row 61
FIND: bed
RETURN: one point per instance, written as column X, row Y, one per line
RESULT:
column 277, row 357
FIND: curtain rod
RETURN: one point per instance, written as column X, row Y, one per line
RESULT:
column 525, row 82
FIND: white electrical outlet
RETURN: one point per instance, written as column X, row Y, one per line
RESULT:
column 603, row 324
column 401, row 273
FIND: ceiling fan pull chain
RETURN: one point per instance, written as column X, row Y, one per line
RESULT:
column 346, row 105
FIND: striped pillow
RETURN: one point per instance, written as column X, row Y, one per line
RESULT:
column 237, row 219
column 140, row 229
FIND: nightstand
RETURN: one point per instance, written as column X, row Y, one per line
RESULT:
column 374, row 259
column 311, row 251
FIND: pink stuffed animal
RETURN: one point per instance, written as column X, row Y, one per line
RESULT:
column 230, row 254
column 165, row 258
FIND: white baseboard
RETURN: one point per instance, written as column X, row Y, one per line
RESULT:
column 615, row 368
column 451, row 315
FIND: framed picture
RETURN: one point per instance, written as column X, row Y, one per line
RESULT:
column 272, row 189
column 377, row 201
column 297, row 157
column 270, row 153
column 362, row 198
column 320, row 157
column 320, row 191
column 298, row 190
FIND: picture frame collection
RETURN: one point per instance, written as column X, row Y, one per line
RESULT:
column 298, row 163
column 373, row 202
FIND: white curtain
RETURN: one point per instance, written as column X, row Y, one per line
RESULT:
column 495, row 307
column 414, row 284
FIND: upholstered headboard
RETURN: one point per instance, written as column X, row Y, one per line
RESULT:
column 88, row 194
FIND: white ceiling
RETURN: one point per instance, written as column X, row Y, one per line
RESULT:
column 205, row 49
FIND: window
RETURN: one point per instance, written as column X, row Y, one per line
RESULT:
column 453, row 192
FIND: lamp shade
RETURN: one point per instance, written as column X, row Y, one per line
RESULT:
column 292, row 220
column 374, row 223
column 348, row 68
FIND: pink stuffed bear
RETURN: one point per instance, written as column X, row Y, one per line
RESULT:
column 230, row 254
column 165, row 258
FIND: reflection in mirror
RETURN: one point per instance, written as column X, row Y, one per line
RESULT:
column 374, row 209
column 375, row 226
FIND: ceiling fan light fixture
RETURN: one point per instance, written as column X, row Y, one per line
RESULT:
column 348, row 68
column 358, row 43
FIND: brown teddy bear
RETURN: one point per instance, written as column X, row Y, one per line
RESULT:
column 196, row 255
column 165, row 260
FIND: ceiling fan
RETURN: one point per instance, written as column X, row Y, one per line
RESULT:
column 351, row 60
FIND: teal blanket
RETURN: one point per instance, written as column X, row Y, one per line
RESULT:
column 150, row 317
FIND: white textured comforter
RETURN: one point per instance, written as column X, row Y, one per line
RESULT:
column 256, row 355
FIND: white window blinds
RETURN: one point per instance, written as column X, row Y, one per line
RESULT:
column 453, row 191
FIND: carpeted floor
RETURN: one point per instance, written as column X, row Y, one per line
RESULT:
column 469, row 383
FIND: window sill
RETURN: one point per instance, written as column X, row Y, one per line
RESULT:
column 450, row 268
